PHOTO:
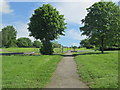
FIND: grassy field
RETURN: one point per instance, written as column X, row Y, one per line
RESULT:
column 36, row 50
column 22, row 49
column 84, row 49
column 28, row 71
column 98, row 70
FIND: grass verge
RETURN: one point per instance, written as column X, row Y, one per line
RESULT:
column 28, row 71
column 98, row 70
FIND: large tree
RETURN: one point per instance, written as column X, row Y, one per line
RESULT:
column 102, row 24
column 24, row 42
column 46, row 24
column 9, row 36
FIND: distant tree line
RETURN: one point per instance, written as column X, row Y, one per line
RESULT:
column 8, row 39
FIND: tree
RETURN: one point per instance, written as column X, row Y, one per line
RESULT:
column 74, row 47
column 86, row 43
column 8, row 36
column 37, row 44
column 46, row 24
column 102, row 23
column 24, row 42
column 0, row 39
column 56, row 45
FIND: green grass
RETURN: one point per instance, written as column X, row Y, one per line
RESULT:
column 83, row 49
column 59, row 50
column 36, row 50
column 98, row 70
column 22, row 49
column 3, row 52
column 28, row 71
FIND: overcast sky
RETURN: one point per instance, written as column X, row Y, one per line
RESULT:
column 18, row 14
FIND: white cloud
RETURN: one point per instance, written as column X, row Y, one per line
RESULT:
column 5, row 7
column 74, row 11
column 22, row 30
column 73, row 34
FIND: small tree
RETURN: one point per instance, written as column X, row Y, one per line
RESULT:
column 9, row 36
column 74, row 47
column 46, row 24
column 56, row 45
column 86, row 43
column 37, row 44
column 24, row 42
column 102, row 24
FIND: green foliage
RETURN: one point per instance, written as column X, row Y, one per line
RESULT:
column 37, row 44
column 98, row 70
column 28, row 71
column 24, row 42
column 74, row 47
column 86, row 43
column 46, row 24
column 56, row 45
column 9, row 36
column 102, row 23
column 0, row 39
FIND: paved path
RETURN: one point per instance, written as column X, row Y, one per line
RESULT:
column 66, row 75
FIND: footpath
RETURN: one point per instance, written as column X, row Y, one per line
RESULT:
column 66, row 75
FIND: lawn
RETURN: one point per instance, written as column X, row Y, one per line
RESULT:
column 21, row 49
column 36, row 50
column 84, row 49
column 98, row 70
column 28, row 71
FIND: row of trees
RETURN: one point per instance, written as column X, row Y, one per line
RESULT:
column 8, row 38
column 102, row 25
column 88, row 44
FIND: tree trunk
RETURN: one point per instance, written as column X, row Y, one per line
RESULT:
column 102, row 45
column 46, row 49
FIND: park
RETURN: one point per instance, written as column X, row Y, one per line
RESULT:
column 46, row 63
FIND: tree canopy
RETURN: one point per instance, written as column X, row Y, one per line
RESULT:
column 37, row 44
column 102, row 23
column 86, row 43
column 9, row 36
column 24, row 42
column 55, row 44
column 46, row 24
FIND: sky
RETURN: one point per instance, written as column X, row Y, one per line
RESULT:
column 18, row 14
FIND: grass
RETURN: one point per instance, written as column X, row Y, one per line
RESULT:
column 83, row 49
column 28, row 71
column 98, row 70
column 22, row 49
column 36, row 50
